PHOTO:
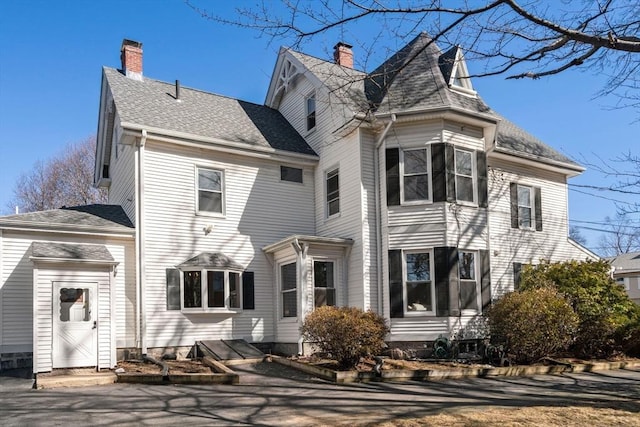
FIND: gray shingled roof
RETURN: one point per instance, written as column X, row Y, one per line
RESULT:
column 152, row 103
column 414, row 79
column 630, row 261
column 69, row 251
column 96, row 215
column 212, row 260
column 346, row 83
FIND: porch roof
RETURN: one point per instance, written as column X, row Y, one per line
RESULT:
column 311, row 240
column 51, row 251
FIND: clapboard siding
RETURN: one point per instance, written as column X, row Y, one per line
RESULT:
column 418, row 328
column 122, row 171
column 18, row 292
column 417, row 226
column 463, row 135
column 369, row 265
column 414, row 135
column 526, row 246
column 467, row 227
column 259, row 210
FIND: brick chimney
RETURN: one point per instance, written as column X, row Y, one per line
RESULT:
column 131, row 58
column 343, row 55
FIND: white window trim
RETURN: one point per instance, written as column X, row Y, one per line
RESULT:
column 335, row 278
column 405, row 298
column 279, row 305
column 326, row 193
column 204, row 291
column 532, row 202
column 429, row 177
column 313, row 95
column 223, row 192
column 476, row 268
column 474, row 176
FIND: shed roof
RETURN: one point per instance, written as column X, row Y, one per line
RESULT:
column 70, row 252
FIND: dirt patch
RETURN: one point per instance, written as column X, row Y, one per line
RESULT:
column 572, row 416
column 175, row 367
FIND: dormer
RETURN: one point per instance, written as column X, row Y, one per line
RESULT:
column 455, row 72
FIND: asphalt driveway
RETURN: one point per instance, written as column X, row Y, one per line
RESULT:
column 274, row 395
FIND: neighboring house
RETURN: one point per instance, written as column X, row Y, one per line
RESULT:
column 626, row 272
column 398, row 191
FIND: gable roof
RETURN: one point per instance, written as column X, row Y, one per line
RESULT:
column 70, row 252
column 346, row 83
column 414, row 79
column 152, row 103
column 108, row 218
column 629, row 262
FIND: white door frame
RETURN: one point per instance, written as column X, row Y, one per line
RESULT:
column 75, row 343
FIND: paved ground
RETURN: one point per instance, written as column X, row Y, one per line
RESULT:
column 273, row 395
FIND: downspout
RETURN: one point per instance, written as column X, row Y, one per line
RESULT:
column 376, row 183
column 141, row 288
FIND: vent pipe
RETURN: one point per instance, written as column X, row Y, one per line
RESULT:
column 177, row 90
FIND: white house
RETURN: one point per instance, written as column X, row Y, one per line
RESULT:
column 626, row 272
column 398, row 191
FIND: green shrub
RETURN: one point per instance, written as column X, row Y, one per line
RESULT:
column 532, row 324
column 347, row 333
column 603, row 307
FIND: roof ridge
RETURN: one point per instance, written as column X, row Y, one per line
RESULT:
column 153, row 80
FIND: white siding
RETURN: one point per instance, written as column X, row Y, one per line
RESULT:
column 370, row 282
column 416, row 226
column 260, row 210
column 509, row 245
column 122, row 171
column 16, row 286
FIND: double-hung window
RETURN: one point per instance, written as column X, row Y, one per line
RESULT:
column 415, row 175
column 525, row 206
column 464, row 170
column 310, row 106
column 211, row 290
column 467, row 273
column 333, row 192
column 324, row 291
column 418, row 284
column 288, row 290
column 210, row 190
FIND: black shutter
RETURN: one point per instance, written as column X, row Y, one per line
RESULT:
column 396, row 298
column 441, row 265
column 517, row 268
column 173, row 289
column 483, row 192
column 538, row 206
column 439, row 172
column 449, row 157
column 514, row 205
column 485, row 279
column 392, row 160
column 248, row 293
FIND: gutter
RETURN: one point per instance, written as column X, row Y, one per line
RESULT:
column 66, row 229
column 376, row 183
column 183, row 138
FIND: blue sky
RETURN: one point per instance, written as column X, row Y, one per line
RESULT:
column 51, row 54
